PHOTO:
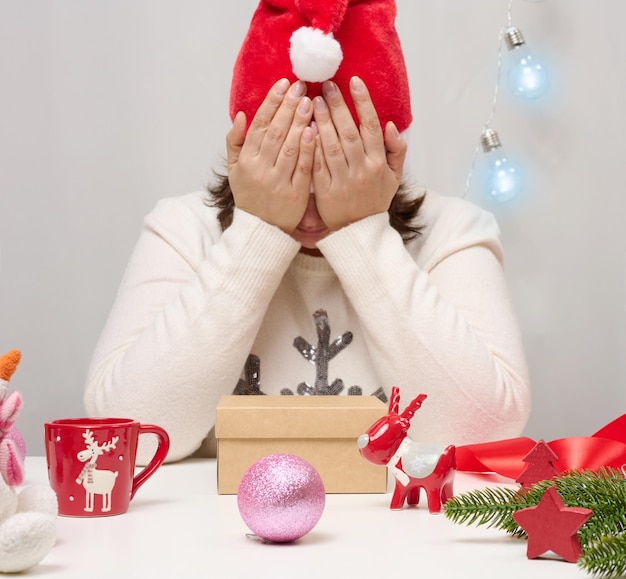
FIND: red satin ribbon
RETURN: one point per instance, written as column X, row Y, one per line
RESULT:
column 605, row 448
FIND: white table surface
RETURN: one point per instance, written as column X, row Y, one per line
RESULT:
column 177, row 526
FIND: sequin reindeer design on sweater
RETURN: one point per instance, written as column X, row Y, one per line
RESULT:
column 319, row 355
column 96, row 482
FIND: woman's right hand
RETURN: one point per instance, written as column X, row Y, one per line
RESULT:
column 270, row 167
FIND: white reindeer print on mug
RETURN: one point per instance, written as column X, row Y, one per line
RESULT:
column 96, row 482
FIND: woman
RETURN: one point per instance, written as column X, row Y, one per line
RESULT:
column 312, row 268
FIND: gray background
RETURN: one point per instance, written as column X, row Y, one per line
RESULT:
column 108, row 106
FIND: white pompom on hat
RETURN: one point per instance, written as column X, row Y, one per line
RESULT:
column 315, row 56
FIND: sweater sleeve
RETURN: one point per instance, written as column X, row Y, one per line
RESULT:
column 184, row 320
column 439, row 321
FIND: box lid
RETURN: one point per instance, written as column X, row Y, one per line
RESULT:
column 296, row 416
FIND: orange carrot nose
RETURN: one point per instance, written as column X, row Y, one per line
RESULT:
column 8, row 364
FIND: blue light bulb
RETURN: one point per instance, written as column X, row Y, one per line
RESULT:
column 503, row 178
column 527, row 76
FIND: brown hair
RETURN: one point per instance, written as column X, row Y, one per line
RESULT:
column 403, row 210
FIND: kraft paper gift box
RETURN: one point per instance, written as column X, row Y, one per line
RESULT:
column 320, row 429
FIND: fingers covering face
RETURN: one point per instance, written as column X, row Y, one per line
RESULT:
column 340, row 137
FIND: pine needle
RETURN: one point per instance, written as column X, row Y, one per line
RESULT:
column 605, row 556
column 492, row 507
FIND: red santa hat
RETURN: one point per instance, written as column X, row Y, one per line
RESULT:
column 318, row 40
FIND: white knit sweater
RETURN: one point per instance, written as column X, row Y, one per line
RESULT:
column 432, row 316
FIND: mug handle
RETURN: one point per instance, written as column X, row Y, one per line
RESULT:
column 158, row 458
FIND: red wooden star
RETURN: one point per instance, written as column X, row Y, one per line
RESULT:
column 551, row 526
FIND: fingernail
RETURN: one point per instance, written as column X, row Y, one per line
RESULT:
column 298, row 89
column 308, row 136
column 319, row 104
column 305, row 106
column 281, row 86
column 356, row 84
column 329, row 89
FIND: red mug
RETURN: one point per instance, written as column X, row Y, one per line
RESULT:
column 91, row 463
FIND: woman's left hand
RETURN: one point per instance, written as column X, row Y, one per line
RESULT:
column 357, row 171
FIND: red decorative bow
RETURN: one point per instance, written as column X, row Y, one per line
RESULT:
column 605, row 448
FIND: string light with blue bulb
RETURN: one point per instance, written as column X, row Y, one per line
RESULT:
column 504, row 181
column 528, row 79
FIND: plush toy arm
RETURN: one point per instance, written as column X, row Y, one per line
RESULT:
column 9, row 411
column 11, row 465
column 11, row 461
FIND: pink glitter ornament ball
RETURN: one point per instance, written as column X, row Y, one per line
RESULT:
column 281, row 497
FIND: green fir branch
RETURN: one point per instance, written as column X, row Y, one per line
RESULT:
column 605, row 556
column 604, row 492
column 491, row 507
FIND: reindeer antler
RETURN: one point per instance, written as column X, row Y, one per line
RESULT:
column 109, row 445
column 92, row 444
column 413, row 406
column 394, row 400
column 89, row 440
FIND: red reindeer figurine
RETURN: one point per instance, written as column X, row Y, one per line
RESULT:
column 415, row 465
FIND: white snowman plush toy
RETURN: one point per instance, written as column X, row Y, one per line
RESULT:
column 28, row 513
